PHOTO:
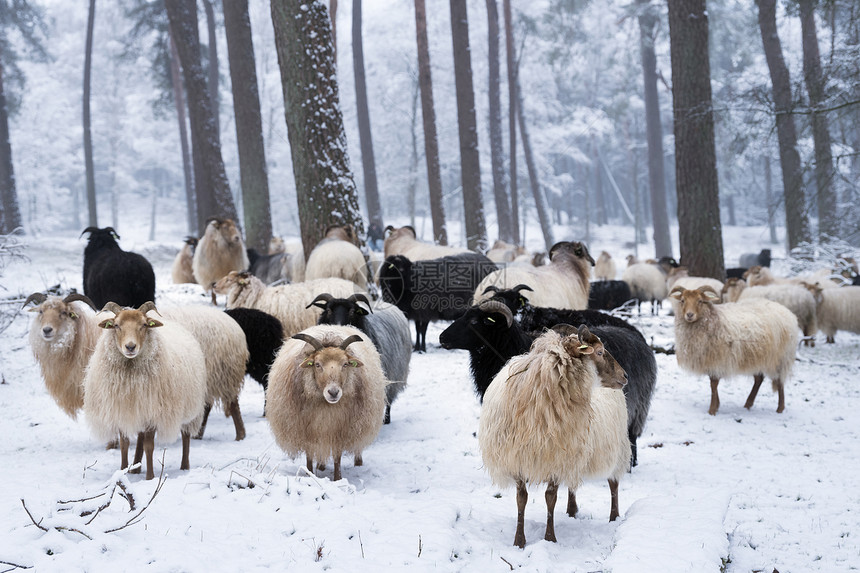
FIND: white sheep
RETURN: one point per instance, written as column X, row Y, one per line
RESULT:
column 285, row 302
column 181, row 270
column 756, row 336
column 63, row 337
column 647, row 283
column 403, row 241
column 145, row 378
column 794, row 297
column 546, row 419
column 604, row 268
column 219, row 251
column 326, row 394
column 226, row 353
column 563, row 283
column 837, row 309
column 339, row 259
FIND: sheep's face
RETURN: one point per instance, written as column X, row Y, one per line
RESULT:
column 56, row 320
column 130, row 328
column 611, row 374
column 228, row 231
column 473, row 330
column 331, row 370
column 234, row 279
column 694, row 303
column 577, row 249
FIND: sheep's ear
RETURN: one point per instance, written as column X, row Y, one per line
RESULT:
column 107, row 323
column 152, row 323
column 354, row 362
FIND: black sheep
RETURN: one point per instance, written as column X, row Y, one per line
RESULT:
column 751, row 259
column 430, row 290
column 735, row 272
column 264, row 335
column 114, row 275
column 607, row 295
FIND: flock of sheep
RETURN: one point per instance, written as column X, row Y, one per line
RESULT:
column 565, row 387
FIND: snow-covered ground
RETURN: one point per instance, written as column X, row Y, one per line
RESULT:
column 742, row 490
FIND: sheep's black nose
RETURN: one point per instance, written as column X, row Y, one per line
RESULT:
column 48, row 330
column 130, row 346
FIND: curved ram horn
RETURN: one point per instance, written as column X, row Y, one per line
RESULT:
column 83, row 298
column 147, row 306
column 496, row 306
column 310, row 340
column 36, row 297
column 358, row 297
column 491, row 288
column 112, row 307
column 349, row 340
column 555, row 247
column 520, row 287
column 582, row 332
column 324, row 296
column 89, row 230
column 113, row 232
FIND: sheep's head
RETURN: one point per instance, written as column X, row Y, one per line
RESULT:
column 394, row 278
column 227, row 229
column 693, row 303
column 732, row 289
column 57, row 317
column 341, row 310
column 276, row 245
column 480, row 323
column 405, row 231
column 130, row 327
column 577, row 249
column 331, row 365
column 611, row 374
column 512, row 297
column 233, row 279
column 341, row 232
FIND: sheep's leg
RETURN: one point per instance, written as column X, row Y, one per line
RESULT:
column 715, row 397
column 633, row 458
column 421, row 335
column 337, row 474
column 123, row 451
column 613, row 493
column 757, row 380
column 236, row 414
column 149, row 448
column 780, row 388
column 309, row 461
column 831, row 339
column 138, row 454
column 358, row 459
column 522, row 499
column 571, row 502
column 206, row 409
column 387, row 418
column 186, row 446
column 551, row 496
column 214, row 300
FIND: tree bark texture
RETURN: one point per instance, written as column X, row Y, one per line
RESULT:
column 249, row 126
column 537, row 192
column 511, row 60
column 365, row 138
column 179, row 102
column 470, row 165
column 654, row 131
column 10, row 213
column 428, row 114
column 210, row 180
column 700, row 231
column 497, row 152
column 88, row 137
column 796, row 220
column 332, row 15
column 825, row 176
column 212, row 70
column 325, row 189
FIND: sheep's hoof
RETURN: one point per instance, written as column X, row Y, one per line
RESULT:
column 780, row 410
column 135, row 470
column 520, row 541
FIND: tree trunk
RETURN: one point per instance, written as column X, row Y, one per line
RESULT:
column 599, row 199
column 428, row 113
column 332, row 15
column 325, row 189
column 828, row 218
column 179, row 102
column 210, row 181
column 411, row 191
column 771, row 204
column 88, row 138
column 10, row 213
column 249, row 126
column 368, row 163
column 497, row 153
column 537, row 192
column 470, row 165
column 796, row 221
column 511, row 57
column 212, row 70
column 654, row 130
column 700, row 233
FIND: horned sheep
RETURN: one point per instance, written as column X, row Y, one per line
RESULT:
column 219, row 251
column 63, row 337
column 287, row 302
column 546, row 419
column 326, row 395
column 145, row 377
column 757, row 337
column 563, row 283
